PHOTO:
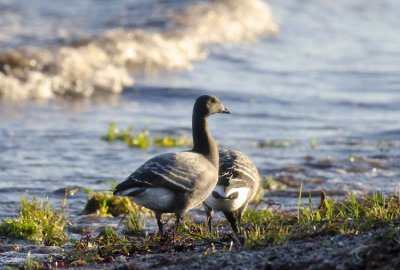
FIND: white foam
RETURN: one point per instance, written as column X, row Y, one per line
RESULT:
column 105, row 63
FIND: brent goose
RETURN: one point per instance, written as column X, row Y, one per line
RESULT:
column 177, row 182
column 237, row 185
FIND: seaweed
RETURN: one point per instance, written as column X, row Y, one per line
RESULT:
column 169, row 141
column 142, row 138
column 274, row 144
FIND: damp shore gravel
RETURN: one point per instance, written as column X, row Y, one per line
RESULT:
column 370, row 250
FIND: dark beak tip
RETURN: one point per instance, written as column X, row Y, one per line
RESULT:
column 226, row 111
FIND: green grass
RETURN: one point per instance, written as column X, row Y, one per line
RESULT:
column 258, row 217
column 197, row 231
column 32, row 264
column 133, row 223
column 261, row 235
column 265, row 227
column 95, row 249
column 38, row 222
column 41, row 223
column 350, row 216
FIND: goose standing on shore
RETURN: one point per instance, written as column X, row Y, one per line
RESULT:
column 177, row 182
column 237, row 185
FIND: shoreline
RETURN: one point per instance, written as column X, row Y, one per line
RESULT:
column 375, row 249
column 348, row 234
column 370, row 250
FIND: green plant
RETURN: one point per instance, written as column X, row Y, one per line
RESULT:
column 258, row 217
column 90, row 249
column 260, row 235
column 142, row 139
column 31, row 264
column 37, row 222
column 133, row 223
column 197, row 231
column 314, row 143
column 352, row 215
column 112, row 132
column 274, row 144
column 105, row 204
column 139, row 140
column 169, row 141
column 269, row 183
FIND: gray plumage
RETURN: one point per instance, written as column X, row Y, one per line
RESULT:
column 237, row 185
column 177, row 182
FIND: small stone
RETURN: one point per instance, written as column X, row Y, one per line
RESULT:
column 120, row 258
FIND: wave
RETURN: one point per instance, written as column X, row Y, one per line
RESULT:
column 105, row 63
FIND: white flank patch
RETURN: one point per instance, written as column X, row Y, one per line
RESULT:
column 159, row 199
column 127, row 191
column 227, row 204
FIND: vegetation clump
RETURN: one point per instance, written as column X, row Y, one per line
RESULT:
column 190, row 236
column 270, row 183
column 32, row 264
column 170, row 141
column 133, row 223
column 198, row 231
column 106, row 205
column 37, row 222
column 142, row 139
column 378, row 212
column 351, row 216
column 101, row 248
column 274, row 144
column 266, row 184
column 139, row 140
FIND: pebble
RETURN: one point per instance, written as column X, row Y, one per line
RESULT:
column 120, row 258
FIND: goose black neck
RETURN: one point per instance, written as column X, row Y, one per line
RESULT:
column 203, row 142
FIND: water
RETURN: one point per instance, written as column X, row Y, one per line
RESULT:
column 322, row 75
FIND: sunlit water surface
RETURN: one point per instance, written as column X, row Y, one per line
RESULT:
column 322, row 96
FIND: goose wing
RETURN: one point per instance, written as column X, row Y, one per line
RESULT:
column 236, row 170
column 178, row 172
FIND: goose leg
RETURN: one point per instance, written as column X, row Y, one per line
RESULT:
column 232, row 218
column 159, row 223
column 177, row 221
column 209, row 213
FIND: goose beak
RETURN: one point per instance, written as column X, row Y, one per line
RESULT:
column 225, row 110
